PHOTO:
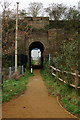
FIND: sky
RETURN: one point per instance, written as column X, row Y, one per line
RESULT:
column 35, row 54
column 23, row 4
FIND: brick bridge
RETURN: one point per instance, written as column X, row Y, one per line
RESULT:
column 45, row 40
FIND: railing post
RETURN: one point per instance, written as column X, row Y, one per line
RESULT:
column 62, row 74
column 10, row 73
column 49, row 59
column 22, row 70
column 76, row 79
column 51, row 70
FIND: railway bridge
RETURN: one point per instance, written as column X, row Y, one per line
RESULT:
column 45, row 40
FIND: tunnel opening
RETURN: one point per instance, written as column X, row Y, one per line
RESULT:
column 36, row 50
column 35, row 56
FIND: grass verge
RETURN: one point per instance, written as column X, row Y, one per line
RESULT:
column 14, row 87
column 67, row 95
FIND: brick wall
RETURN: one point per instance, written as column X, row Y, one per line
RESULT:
column 38, row 22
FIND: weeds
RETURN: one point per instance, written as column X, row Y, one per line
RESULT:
column 67, row 94
column 14, row 87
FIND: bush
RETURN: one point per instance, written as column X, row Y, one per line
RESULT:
column 67, row 94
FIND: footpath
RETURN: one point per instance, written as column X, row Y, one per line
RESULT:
column 34, row 103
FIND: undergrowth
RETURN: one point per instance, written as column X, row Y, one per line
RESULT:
column 14, row 87
column 66, row 94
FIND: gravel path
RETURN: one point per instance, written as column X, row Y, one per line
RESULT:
column 34, row 103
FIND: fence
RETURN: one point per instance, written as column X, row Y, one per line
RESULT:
column 7, row 73
column 76, row 75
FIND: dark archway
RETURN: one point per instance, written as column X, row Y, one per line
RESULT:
column 40, row 46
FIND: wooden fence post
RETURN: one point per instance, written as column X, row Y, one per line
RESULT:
column 76, row 79
column 62, row 74
column 56, row 75
column 51, row 70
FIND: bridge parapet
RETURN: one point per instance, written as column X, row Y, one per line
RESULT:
column 38, row 22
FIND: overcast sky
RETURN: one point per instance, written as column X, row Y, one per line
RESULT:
column 24, row 3
column 35, row 53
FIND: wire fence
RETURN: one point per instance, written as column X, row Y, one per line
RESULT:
column 8, row 73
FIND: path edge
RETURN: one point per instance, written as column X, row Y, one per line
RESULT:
column 65, row 109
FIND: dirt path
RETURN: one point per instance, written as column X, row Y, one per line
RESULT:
column 34, row 103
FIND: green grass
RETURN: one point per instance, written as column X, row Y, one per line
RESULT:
column 14, row 87
column 39, row 61
column 67, row 94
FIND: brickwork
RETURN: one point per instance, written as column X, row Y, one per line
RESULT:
column 37, row 22
column 50, row 39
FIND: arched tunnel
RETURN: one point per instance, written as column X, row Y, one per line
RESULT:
column 40, row 46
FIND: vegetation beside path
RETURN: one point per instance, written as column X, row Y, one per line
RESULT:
column 66, row 94
column 14, row 87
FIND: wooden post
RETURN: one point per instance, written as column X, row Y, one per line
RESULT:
column 76, row 79
column 56, row 75
column 62, row 76
column 51, row 70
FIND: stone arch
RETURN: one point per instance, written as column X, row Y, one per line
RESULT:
column 40, row 46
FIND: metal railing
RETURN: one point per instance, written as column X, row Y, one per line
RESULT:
column 7, row 73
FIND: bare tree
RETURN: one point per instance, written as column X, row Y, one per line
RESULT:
column 35, row 9
column 56, row 11
column 22, row 13
column 72, row 13
column 9, row 25
column 5, row 8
